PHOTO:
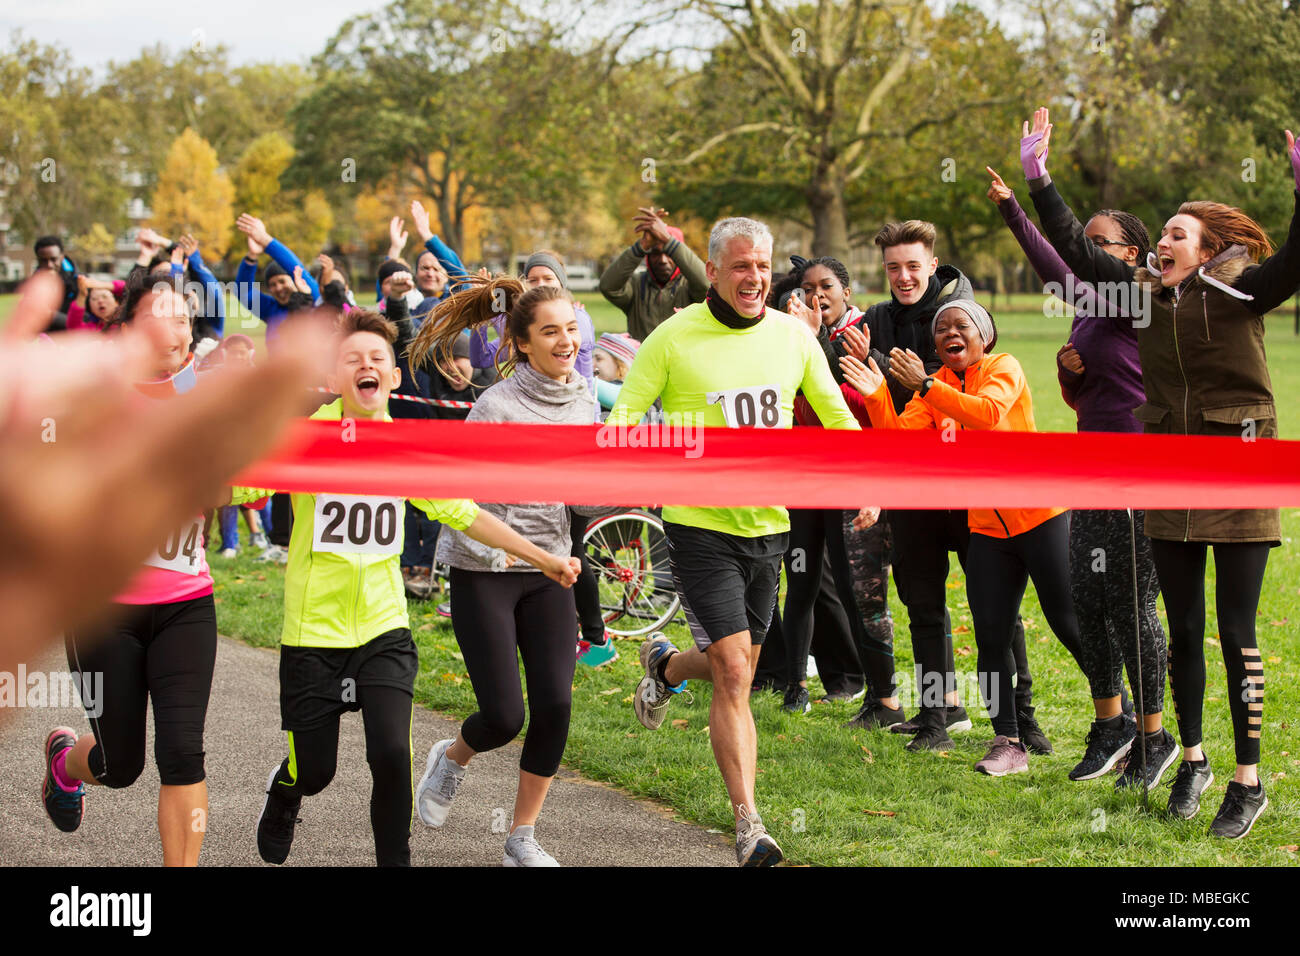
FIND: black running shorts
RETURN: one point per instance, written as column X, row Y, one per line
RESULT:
column 318, row 683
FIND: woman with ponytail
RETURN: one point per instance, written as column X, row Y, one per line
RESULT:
column 1206, row 289
column 501, row 611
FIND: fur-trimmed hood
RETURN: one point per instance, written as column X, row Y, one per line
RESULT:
column 1222, row 271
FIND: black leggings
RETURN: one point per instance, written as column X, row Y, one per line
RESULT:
column 1102, row 546
column 1239, row 577
column 996, row 575
column 586, row 590
column 498, row 618
column 313, row 758
column 164, row 653
column 814, row 532
column 922, row 540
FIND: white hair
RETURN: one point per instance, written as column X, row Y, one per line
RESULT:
column 736, row 227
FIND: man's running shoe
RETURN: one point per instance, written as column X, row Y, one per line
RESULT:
column 276, row 822
column 438, row 786
column 274, row 553
column 1241, row 807
column 955, row 720
column 1004, row 757
column 259, row 541
column 444, row 609
column 874, row 714
column 1161, row 752
column 652, row 695
column 593, row 655
column 1031, row 735
column 65, row 807
column 754, row 847
column 796, row 700
column 522, row 849
column 1107, row 743
column 1192, row 780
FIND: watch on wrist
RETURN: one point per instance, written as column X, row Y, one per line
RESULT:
column 925, row 385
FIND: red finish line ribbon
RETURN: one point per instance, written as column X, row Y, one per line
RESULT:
column 796, row 467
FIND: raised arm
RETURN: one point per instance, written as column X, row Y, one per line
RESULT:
column 616, row 282
column 1278, row 276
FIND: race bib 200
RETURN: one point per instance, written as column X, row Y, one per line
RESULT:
column 355, row 524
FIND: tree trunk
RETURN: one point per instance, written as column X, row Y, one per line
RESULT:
column 830, row 229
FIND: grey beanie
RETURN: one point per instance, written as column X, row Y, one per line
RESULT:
column 552, row 263
column 978, row 314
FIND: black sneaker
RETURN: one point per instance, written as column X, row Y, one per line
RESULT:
column 796, row 700
column 1192, row 780
column 1031, row 735
column 931, row 736
column 1241, row 807
column 276, row 823
column 65, row 807
column 875, row 714
column 1161, row 752
column 1106, row 744
column 955, row 719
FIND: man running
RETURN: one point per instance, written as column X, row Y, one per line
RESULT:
column 727, row 362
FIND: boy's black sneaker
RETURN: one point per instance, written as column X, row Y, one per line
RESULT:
column 874, row 714
column 1031, row 735
column 955, row 719
column 1161, row 752
column 1107, row 742
column 65, row 807
column 275, row 825
column 1192, row 780
column 796, row 700
column 1241, row 807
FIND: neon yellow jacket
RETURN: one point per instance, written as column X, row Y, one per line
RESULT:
column 345, row 600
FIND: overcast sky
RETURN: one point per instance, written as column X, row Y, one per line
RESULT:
column 96, row 31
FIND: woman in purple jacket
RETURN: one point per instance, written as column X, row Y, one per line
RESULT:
column 1102, row 381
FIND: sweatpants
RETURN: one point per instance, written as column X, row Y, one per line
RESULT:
column 1239, row 577
column 500, row 618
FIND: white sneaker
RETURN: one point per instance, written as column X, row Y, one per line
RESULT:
column 437, row 788
column 229, row 553
column 754, row 847
column 259, row 541
column 523, row 850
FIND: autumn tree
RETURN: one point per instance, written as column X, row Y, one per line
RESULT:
column 194, row 195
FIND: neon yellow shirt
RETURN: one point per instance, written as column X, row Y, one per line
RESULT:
column 722, row 377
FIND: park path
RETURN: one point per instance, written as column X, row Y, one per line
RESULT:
column 584, row 823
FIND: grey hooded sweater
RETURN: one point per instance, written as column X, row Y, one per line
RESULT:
column 530, row 398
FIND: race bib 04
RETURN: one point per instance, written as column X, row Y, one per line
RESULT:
column 758, row 406
column 355, row 524
column 182, row 551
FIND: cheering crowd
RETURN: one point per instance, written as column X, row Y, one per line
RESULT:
column 1167, row 337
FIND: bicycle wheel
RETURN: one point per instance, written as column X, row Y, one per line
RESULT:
column 636, row 589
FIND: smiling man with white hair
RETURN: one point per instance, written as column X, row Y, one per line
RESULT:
column 727, row 362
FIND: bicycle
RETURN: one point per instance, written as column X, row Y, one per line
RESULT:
column 629, row 556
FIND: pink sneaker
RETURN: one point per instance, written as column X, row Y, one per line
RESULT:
column 1004, row 757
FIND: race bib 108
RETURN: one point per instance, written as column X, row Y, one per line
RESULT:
column 182, row 551
column 758, row 406
column 355, row 524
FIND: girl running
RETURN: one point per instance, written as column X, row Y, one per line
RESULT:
column 157, row 648
column 1214, row 268
column 502, row 613
column 1102, row 381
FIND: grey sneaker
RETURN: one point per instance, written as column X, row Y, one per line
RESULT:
column 523, row 850
column 754, row 847
column 1004, row 757
column 652, row 696
column 437, row 788
column 274, row 553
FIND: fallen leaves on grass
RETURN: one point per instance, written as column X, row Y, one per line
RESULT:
column 963, row 651
column 1290, row 848
column 1275, row 660
column 990, row 852
column 961, row 629
column 681, row 723
column 868, row 756
column 1280, row 623
column 880, row 813
column 449, row 677
column 612, row 690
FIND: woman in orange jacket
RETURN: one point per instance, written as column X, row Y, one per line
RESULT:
column 978, row 389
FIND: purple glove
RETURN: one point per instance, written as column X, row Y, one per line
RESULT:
column 1295, row 163
column 1034, row 166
